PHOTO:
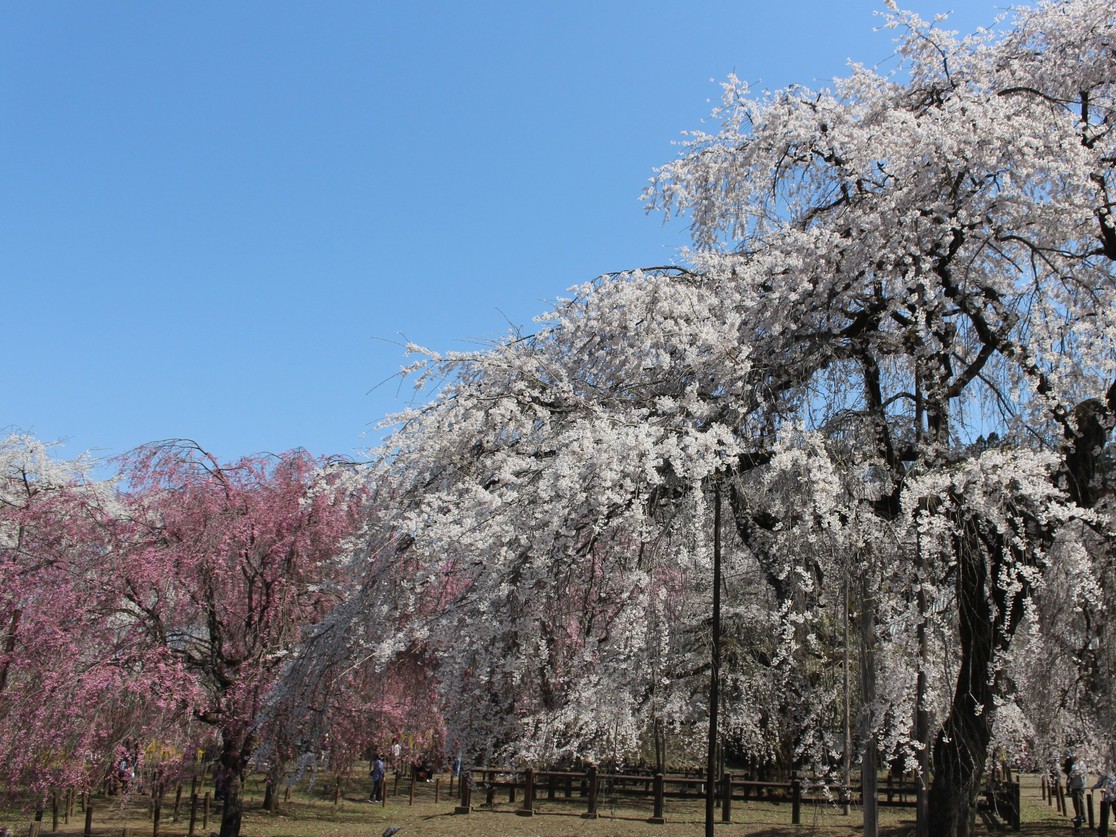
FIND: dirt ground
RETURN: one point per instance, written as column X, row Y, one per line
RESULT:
column 430, row 813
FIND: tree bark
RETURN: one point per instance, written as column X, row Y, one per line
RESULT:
column 236, row 749
column 276, row 769
column 962, row 742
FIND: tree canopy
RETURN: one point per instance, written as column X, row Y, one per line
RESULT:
column 892, row 346
column 890, row 353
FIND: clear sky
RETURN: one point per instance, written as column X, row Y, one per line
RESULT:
column 222, row 220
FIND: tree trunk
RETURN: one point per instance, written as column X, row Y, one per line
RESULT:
column 275, row 771
column 236, row 749
column 962, row 742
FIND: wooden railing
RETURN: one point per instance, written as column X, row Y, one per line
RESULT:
column 484, row 785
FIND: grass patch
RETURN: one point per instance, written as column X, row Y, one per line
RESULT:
column 315, row 813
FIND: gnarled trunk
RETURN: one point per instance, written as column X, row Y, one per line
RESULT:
column 962, row 743
column 236, row 749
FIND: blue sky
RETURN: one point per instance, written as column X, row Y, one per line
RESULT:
column 221, row 221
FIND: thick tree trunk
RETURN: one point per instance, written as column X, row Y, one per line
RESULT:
column 962, row 743
column 235, row 751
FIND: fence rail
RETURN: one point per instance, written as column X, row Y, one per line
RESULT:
column 527, row 786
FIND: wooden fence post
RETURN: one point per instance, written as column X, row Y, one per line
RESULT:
column 193, row 813
column 205, row 812
column 591, row 779
column 437, row 787
column 528, row 808
column 657, row 817
column 726, row 797
column 796, row 801
column 1089, row 808
column 466, row 794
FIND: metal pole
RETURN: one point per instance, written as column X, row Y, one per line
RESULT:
column 714, row 668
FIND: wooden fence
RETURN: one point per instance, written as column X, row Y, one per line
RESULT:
column 1055, row 795
column 526, row 787
column 63, row 807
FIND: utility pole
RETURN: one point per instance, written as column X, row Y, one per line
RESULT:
column 922, row 716
column 848, row 707
column 869, row 761
column 715, row 664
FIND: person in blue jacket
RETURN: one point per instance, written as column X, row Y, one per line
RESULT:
column 377, row 779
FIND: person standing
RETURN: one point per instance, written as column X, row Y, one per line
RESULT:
column 1077, row 775
column 377, row 779
column 1107, row 784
